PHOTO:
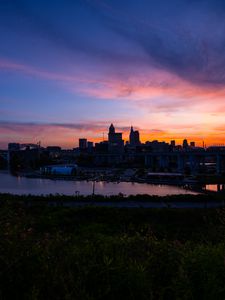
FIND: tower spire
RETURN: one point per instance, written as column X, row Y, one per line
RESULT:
column 111, row 128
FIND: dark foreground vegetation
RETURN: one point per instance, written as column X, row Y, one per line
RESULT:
column 110, row 253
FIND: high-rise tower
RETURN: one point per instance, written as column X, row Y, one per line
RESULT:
column 115, row 139
column 134, row 137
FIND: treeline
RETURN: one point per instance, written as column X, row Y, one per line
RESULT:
column 45, row 199
column 110, row 253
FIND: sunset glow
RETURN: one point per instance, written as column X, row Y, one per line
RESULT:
column 68, row 73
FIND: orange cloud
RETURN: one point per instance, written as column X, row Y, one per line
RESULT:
column 141, row 85
column 163, row 99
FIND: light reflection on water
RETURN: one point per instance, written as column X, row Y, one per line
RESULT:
column 215, row 187
column 38, row 186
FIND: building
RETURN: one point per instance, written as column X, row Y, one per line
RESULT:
column 13, row 146
column 185, row 144
column 115, row 140
column 27, row 159
column 90, row 147
column 157, row 147
column 53, row 149
column 3, row 159
column 82, row 144
column 134, row 137
column 59, row 170
column 102, row 147
column 173, row 143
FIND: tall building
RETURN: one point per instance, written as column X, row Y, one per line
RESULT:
column 173, row 143
column 111, row 131
column 185, row 144
column 90, row 145
column 115, row 139
column 134, row 137
column 82, row 144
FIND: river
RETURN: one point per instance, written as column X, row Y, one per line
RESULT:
column 38, row 186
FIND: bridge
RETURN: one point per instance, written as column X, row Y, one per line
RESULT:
column 192, row 158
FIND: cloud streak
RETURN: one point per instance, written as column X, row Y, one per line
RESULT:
column 148, row 82
column 162, row 62
column 177, row 42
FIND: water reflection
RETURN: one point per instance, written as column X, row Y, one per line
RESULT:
column 36, row 186
column 215, row 187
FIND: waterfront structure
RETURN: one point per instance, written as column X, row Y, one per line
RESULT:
column 27, row 159
column 59, row 170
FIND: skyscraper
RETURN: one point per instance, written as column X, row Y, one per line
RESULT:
column 82, row 144
column 115, row 139
column 134, row 137
column 185, row 144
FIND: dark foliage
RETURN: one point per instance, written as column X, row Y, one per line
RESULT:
column 110, row 253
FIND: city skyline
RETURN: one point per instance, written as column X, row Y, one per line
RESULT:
column 70, row 68
column 132, row 136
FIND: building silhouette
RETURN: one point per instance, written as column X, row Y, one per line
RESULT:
column 82, row 144
column 115, row 140
column 134, row 137
column 185, row 144
column 173, row 143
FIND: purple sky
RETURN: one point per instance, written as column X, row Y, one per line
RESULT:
column 70, row 68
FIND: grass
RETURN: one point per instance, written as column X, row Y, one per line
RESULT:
column 109, row 253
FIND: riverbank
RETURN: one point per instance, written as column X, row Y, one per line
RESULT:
column 110, row 253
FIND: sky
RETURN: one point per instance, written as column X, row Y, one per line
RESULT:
column 70, row 68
